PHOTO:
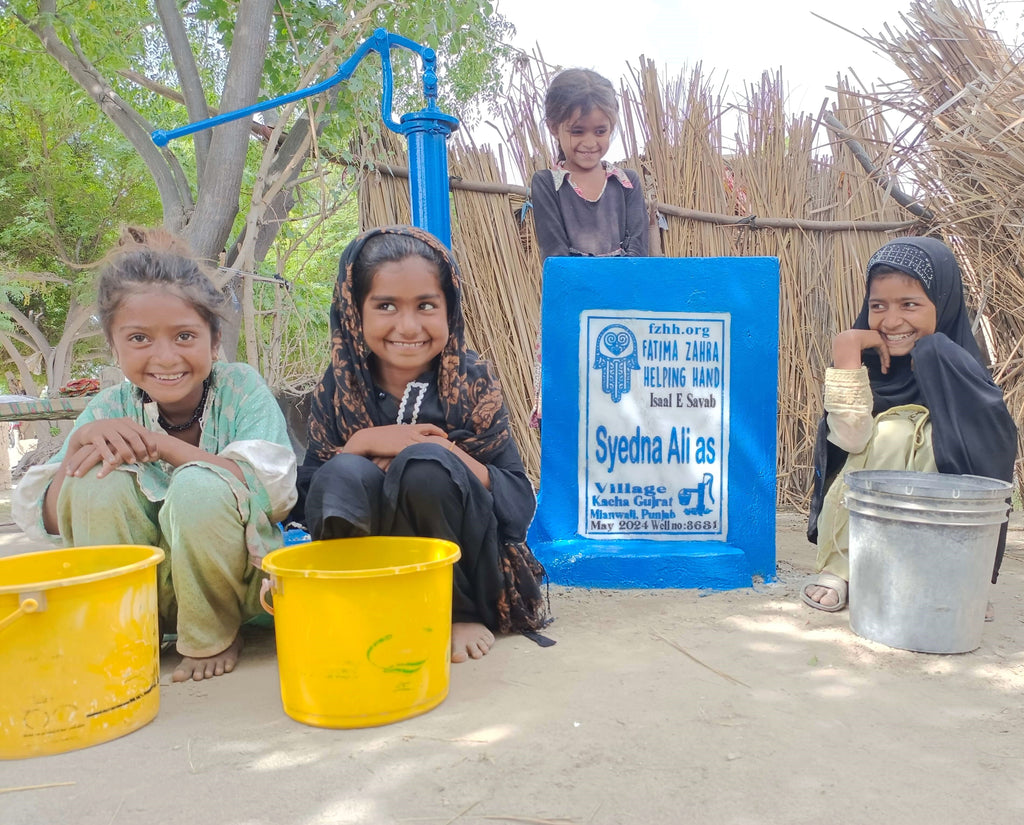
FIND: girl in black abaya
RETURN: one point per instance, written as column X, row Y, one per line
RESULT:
column 909, row 391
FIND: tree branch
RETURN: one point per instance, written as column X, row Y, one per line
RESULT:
column 217, row 203
column 874, row 173
column 260, row 130
column 188, row 75
column 62, row 355
column 28, row 325
column 34, row 277
column 175, row 195
column 21, row 362
column 291, row 153
column 20, row 338
column 755, row 222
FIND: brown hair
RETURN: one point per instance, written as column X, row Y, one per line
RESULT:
column 575, row 92
column 147, row 258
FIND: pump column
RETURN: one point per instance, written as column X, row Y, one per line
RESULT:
column 427, row 134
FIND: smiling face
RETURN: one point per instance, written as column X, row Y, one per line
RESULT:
column 165, row 348
column 584, row 139
column 900, row 310
column 405, row 320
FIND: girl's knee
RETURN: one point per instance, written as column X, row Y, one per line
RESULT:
column 195, row 490
column 201, row 516
column 425, row 481
column 118, row 488
column 427, row 459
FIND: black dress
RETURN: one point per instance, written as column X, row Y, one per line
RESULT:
column 427, row 491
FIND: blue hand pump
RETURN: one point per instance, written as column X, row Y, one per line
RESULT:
column 426, row 131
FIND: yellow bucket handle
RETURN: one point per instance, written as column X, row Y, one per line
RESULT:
column 31, row 602
column 265, row 586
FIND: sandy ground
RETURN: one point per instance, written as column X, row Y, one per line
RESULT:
column 654, row 707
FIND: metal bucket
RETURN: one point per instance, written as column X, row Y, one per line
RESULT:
column 922, row 548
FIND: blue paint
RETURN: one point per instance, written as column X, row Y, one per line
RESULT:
column 744, row 292
column 426, row 131
column 427, row 137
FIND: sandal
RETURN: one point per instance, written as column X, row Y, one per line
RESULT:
column 832, row 582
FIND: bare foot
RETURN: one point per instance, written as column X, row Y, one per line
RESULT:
column 470, row 640
column 206, row 667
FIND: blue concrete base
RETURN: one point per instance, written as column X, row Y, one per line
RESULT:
column 648, row 564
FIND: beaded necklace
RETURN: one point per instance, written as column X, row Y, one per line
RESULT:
column 196, row 415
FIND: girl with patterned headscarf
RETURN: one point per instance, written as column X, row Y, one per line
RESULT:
column 409, row 434
column 909, row 391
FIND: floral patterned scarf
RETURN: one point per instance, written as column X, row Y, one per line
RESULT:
column 345, row 400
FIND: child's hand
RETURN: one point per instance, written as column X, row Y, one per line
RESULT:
column 847, row 347
column 110, row 442
column 387, row 442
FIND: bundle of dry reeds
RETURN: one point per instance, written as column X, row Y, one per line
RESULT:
column 965, row 92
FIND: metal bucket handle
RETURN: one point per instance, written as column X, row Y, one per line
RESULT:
column 911, row 490
column 32, row 601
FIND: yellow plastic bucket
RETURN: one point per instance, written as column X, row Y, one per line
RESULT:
column 363, row 628
column 79, row 647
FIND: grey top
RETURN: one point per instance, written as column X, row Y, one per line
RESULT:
column 568, row 224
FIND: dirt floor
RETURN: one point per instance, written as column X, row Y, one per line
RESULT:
column 654, row 707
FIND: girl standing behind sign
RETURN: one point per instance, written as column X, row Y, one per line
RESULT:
column 909, row 391
column 585, row 205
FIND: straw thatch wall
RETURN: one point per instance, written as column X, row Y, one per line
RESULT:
column 791, row 187
column 965, row 92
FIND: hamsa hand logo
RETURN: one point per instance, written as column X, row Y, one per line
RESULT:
column 616, row 357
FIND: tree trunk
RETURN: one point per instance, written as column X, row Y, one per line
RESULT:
column 217, row 204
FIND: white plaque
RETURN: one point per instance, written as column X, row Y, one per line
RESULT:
column 654, row 433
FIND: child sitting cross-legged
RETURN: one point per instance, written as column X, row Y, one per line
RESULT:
column 409, row 434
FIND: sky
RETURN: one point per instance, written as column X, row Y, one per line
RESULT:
column 734, row 40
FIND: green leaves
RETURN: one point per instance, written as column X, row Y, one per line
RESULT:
column 69, row 176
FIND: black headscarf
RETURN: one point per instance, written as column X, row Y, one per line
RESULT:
column 972, row 431
column 345, row 400
column 931, row 263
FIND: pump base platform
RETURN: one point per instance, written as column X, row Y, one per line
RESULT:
column 707, row 565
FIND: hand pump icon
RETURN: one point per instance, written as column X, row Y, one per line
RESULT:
column 702, row 493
